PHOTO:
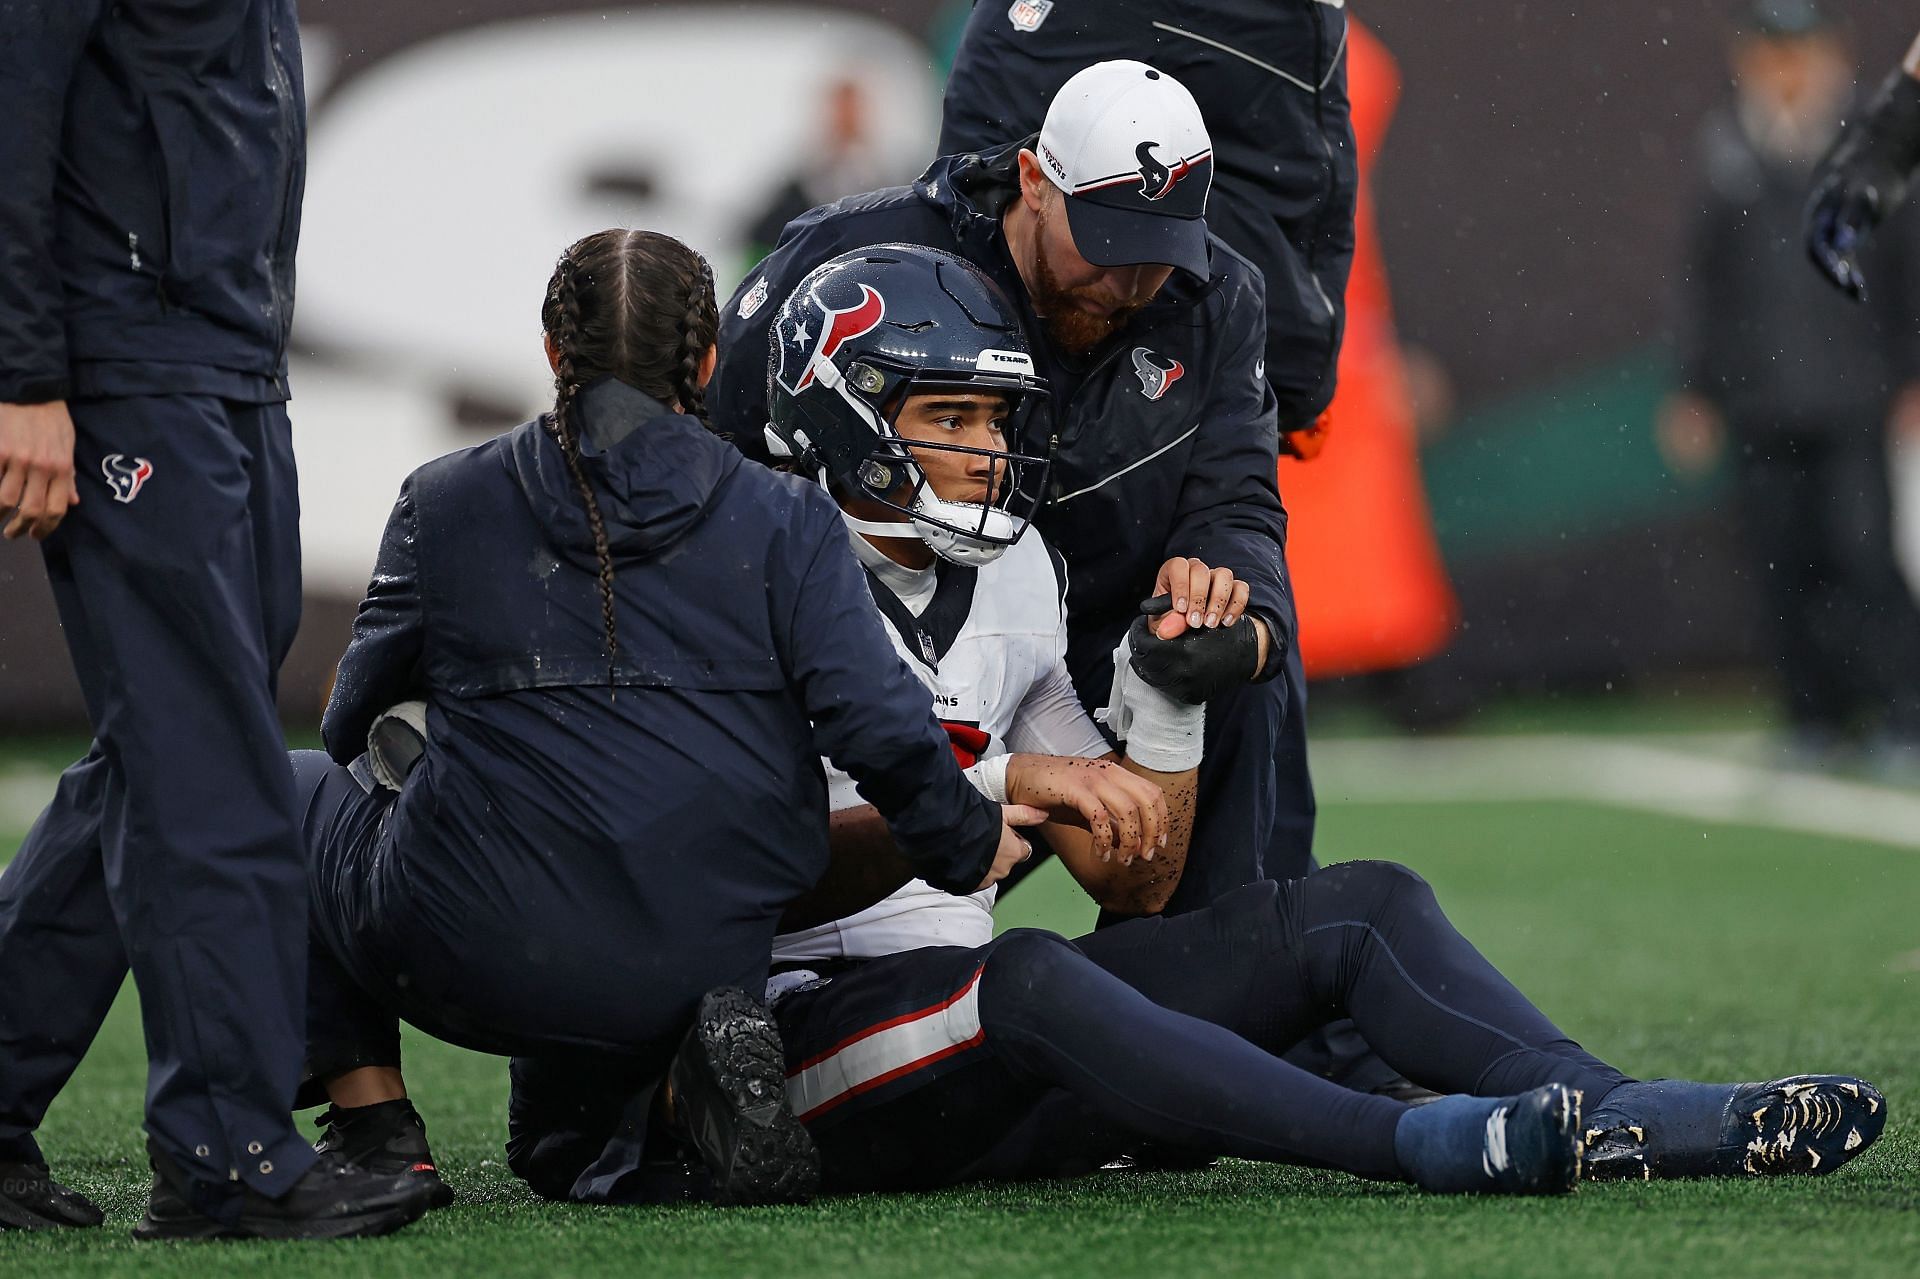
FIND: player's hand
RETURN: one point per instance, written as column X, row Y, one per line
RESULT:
column 1195, row 666
column 1014, row 847
column 1689, row 432
column 1125, row 814
column 1201, row 596
column 36, row 467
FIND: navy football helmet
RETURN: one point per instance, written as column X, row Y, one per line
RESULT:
column 862, row 333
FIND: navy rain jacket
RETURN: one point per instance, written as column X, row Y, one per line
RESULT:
column 1271, row 80
column 1149, row 463
column 655, row 832
column 152, row 160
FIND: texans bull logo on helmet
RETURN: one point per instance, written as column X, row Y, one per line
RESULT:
column 805, row 346
column 126, row 476
column 1157, row 373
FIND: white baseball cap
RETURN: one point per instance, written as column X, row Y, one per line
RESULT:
column 1126, row 143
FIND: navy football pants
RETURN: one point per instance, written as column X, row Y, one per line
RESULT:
column 171, row 847
column 1033, row 1056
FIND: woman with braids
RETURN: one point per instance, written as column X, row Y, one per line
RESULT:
column 620, row 667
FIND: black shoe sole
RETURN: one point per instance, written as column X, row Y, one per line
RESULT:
column 730, row 1090
column 1807, row 1125
column 359, row 1226
column 1804, row 1125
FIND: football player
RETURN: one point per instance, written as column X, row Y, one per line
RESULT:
column 923, row 1051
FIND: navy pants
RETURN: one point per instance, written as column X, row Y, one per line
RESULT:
column 373, row 963
column 1033, row 1056
column 171, row 848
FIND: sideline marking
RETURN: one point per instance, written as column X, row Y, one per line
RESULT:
column 1619, row 773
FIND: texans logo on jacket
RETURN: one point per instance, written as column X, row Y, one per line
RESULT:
column 1157, row 373
column 808, row 344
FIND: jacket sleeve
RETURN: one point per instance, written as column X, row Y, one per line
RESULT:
column 875, row 721
column 41, row 43
column 1229, row 513
column 384, row 660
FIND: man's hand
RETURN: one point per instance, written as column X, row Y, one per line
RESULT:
column 1014, row 847
column 1201, row 596
column 1125, row 814
column 36, row 467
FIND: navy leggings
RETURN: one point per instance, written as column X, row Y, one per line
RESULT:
column 1168, row 1028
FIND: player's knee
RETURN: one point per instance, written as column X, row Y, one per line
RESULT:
column 1367, row 887
column 1029, row 972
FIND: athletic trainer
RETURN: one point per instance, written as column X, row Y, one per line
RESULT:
column 1160, row 430
column 151, row 166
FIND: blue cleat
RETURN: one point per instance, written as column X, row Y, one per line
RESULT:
column 1805, row 1124
column 1523, row 1145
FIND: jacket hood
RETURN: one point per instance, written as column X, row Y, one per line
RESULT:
column 974, row 186
column 655, row 473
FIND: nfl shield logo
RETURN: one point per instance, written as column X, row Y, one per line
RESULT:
column 1027, row 15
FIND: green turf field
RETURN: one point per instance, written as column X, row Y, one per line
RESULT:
column 1668, row 944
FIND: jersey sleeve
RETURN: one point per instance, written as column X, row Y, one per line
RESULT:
column 1050, row 719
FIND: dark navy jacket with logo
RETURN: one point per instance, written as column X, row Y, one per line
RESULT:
column 1271, row 80
column 1165, row 443
column 668, row 819
column 151, row 171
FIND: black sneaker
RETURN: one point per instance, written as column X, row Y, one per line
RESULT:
column 729, row 1101
column 30, row 1199
column 1805, row 1124
column 388, row 1139
column 333, row 1200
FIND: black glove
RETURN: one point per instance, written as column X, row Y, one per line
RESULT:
column 1197, row 665
column 1861, row 181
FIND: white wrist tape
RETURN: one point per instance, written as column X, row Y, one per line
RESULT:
column 989, row 777
column 392, row 751
column 1161, row 732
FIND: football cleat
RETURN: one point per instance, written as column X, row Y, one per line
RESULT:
column 728, row 1086
column 1528, row 1144
column 1804, row 1124
column 389, row 1139
column 1531, row 1143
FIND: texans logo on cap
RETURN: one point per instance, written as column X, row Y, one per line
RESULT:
column 1156, row 378
column 1156, row 179
column 837, row 326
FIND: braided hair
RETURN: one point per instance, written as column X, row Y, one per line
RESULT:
column 635, row 305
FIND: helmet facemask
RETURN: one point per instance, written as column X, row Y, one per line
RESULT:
column 889, row 473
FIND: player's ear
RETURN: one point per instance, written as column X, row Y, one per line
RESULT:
column 553, row 353
column 1033, row 181
column 707, row 364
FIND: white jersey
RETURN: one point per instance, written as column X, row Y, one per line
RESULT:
column 991, row 645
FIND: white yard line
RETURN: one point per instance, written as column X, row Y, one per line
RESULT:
column 1666, row 778
column 1621, row 773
